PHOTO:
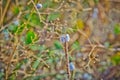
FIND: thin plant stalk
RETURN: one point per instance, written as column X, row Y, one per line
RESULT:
column 67, row 59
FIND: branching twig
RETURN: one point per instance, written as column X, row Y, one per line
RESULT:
column 9, row 63
column 90, row 54
column 40, row 60
column 102, row 46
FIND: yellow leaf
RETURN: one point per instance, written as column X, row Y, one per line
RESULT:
column 79, row 24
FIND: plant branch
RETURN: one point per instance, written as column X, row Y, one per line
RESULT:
column 67, row 59
column 4, row 13
column 10, row 59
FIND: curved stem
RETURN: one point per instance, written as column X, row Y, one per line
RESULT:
column 4, row 13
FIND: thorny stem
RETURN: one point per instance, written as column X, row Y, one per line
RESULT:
column 67, row 59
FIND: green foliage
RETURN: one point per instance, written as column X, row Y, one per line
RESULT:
column 42, row 48
column 35, row 64
column 20, row 29
column 1, row 75
column 18, row 66
column 36, row 77
column 39, row 48
column 47, row 4
column 34, row 19
column 12, row 77
column 16, row 28
column 116, row 59
column 70, row 30
column 30, row 37
column 26, row 16
column 117, row 29
column 34, row 47
column 76, row 45
column 13, row 28
column 34, row 59
column 57, row 45
column 16, row 10
column 96, row 1
column 50, row 4
column 53, row 16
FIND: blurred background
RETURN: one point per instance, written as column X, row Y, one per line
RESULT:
column 30, row 39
